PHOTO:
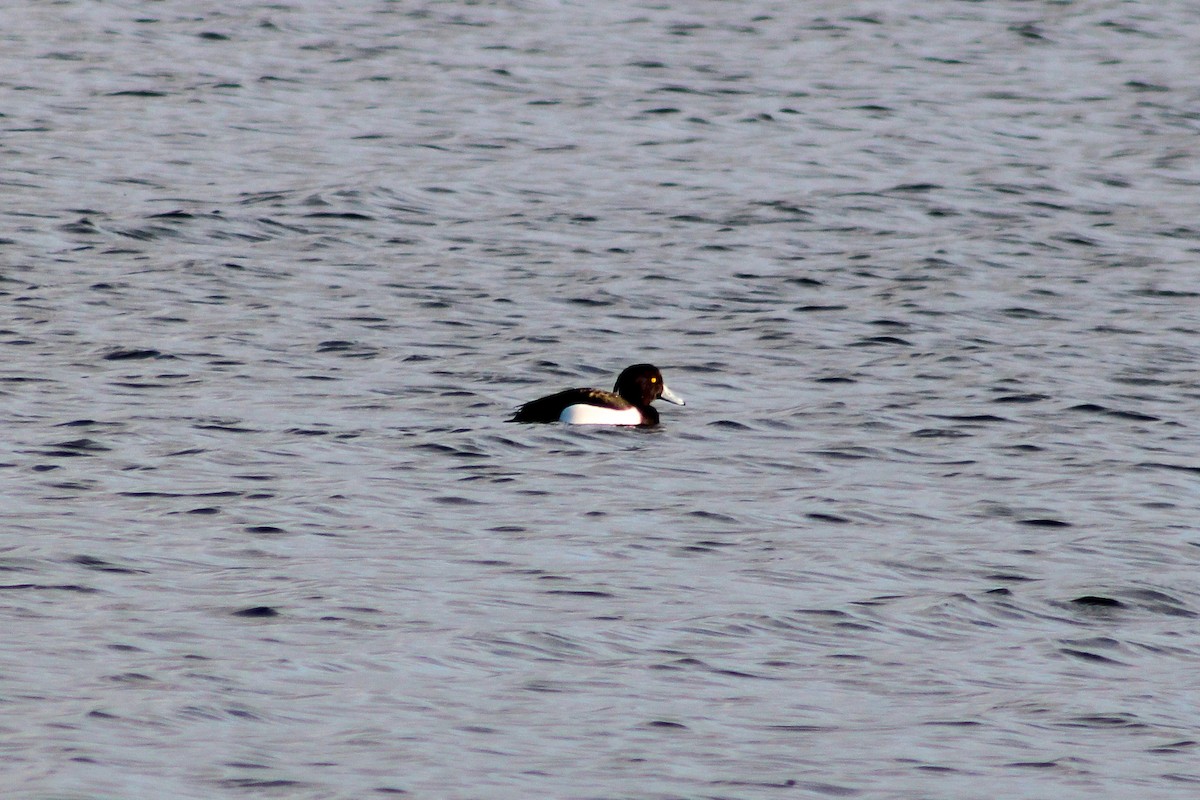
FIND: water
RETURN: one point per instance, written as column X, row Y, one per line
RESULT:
column 274, row 276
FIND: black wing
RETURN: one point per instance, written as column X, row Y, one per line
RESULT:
column 550, row 408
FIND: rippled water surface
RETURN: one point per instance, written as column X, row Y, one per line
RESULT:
column 272, row 277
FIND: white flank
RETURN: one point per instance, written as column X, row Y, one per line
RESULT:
column 581, row 414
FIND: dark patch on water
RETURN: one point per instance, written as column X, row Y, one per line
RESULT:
column 256, row 612
column 1095, row 601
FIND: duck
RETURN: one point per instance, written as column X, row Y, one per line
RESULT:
column 627, row 404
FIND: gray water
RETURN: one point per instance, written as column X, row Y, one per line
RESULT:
column 274, row 275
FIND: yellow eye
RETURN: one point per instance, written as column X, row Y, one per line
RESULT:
column 654, row 380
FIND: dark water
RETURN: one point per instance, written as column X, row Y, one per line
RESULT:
column 273, row 275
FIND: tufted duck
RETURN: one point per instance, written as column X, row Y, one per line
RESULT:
column 627, row 404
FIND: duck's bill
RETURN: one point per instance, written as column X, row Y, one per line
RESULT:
column 671, row 397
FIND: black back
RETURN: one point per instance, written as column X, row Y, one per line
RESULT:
column 550, row 408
